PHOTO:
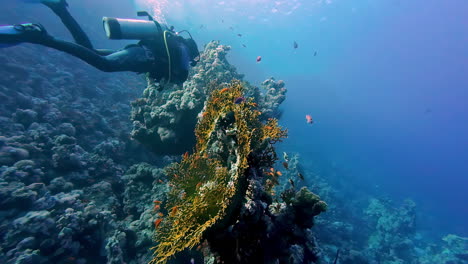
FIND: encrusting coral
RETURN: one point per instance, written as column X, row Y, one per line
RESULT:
column 208, row 186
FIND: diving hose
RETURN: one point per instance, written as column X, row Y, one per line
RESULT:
column 168, row 54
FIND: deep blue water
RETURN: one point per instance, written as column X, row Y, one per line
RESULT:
column 387, row 88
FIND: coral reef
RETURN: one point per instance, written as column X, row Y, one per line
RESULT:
column 208, row 184
column 165, row 117
column 74, row 187
column 219, row 193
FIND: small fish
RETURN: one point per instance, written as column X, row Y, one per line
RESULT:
column 279, row 173
column 268, row 127
column 295, row 45
column 224, row 90
column 160, row 214
column 285, row 156
column 231, row 28
column 173, row 211
column 239, row 100
column 309, row 119
column 202, row 26
column 186, row 154
column 156, row 207
column 243, row 45
column 240, row 35
column 198, row 185
column 157, row 202
column 192, row 261
column 285, row 165
column 222, row 20
column 157, row 222
column 291, row 182
column 315, row 54
column 259, row 58
column 300, row 176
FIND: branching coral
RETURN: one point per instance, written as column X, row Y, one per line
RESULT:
column 208, row 186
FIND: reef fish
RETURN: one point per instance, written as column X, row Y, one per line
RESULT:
column 295, row 45
column 309, row 119
column 259, row 58
column 240, row 35
column 285, row 165
column 239, row 100
column 300, row 176
column 157, row 222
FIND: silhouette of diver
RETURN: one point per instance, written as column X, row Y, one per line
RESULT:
column 163, row 56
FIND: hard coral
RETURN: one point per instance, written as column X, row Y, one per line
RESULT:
column 209, row 185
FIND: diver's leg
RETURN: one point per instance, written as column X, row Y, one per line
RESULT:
column 132, row 59
column 59, row 7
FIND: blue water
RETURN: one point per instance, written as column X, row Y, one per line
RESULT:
column 387, row 87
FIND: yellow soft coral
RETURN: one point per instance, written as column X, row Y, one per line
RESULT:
column 208, row 185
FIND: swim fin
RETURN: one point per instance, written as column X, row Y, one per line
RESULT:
column 14, row 34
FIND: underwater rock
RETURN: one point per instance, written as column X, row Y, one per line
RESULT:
column 67, row 129
column 271, row 101
column 25, row 117
column 143, row 186
column 15, row 195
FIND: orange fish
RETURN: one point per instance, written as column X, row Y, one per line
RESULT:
column 224, row 90
column 157, row 202
column 268, row 127
column 156, row 207
column 279, row 173
column 309, row 119
column 173, row 211
column 198, row 185
column 160, row 214
column 186, row 155
column 272, row 170
column 157, row 222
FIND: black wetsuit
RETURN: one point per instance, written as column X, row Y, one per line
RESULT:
column 148, row 56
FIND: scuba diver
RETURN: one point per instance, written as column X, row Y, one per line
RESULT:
column 161, row 53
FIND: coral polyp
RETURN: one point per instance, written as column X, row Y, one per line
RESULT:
column 209, row 185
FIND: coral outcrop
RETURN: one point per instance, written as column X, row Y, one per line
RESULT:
column 165, row 117
column 219, row 193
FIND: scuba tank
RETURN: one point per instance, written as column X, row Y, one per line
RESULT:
column 119, row 28
column 179, row 52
